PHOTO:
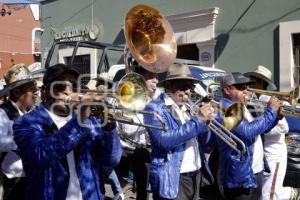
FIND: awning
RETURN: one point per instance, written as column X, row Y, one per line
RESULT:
column 202, row 73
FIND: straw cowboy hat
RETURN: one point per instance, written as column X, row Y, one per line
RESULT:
column 16, row 76
column 37, row 72
column 263, row 73
column 178, row 72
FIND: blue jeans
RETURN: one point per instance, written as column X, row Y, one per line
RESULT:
column 109, row 176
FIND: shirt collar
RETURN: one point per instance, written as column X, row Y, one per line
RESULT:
column 16, row 106
column 169, row 101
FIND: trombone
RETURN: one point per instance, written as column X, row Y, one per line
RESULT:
column 232, row 116
column 131, row 94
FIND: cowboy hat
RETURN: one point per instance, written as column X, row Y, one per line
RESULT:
column 235, row 78
column 263, row 73
column 178, row 72
column 52, row 73
column 17, row 75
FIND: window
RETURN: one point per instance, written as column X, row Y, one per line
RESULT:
column 82, row 65
column 36, row 40
column 289, row 54
column 296, row 55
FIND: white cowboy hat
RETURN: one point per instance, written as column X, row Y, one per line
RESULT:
column 263, row 73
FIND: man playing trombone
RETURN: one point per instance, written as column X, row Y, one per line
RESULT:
column 60, row 149
column 237, row 176
column 176, row 153
column 135, row 139
column 275, row 149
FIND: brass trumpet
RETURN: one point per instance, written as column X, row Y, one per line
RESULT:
column 291, row 97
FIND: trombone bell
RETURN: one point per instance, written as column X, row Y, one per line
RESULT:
column 233, row 116
column 132, row 92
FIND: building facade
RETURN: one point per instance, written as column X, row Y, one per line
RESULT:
column 19, row 35
column 231, row 35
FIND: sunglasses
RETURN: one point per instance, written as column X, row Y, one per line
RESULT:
column 240, row 87
column 60, row 86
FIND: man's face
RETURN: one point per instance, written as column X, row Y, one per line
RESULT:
column 258, row 83
column 237, row 93
column 179, row 89
column 59, row 91
column 151, row 82
column 28, row 94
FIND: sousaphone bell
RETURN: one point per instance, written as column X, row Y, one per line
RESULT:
column 150, row 38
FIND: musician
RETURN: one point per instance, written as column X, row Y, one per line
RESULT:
column 103, row 82
column 22, row 96
column 237, row 173
column 275, row 149
column 135, row 139
column 60, row 148
column 175, row 157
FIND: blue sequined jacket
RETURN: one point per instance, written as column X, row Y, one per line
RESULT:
column 168, row 147
column 44, row 150
column 236, row 170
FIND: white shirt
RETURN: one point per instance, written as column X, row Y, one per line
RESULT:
column 74, row 191
column 191, row 157
column 258, row 154
column 137, row 134
column 12, row 165
column 274, row 144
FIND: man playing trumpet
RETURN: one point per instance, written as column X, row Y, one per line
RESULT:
column 275, row 149
column 61, row 150
column 238, row 171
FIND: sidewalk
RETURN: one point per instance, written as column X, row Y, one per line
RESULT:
column 128, row 196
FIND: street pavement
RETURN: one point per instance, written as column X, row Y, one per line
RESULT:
column 130, row 195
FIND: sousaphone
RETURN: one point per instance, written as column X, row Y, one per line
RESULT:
column 150, row 38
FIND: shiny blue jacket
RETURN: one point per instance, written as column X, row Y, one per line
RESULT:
column 168, row 147
column 236, row 170
column 44, row 150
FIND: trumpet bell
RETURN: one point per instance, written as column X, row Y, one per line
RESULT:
column 132, row 92
column 150, row 38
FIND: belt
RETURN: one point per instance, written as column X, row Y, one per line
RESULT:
column 193, row 173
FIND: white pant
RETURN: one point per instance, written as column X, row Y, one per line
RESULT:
column 280, row 192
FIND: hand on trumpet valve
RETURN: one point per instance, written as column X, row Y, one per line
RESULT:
column 83, row 103
column 206, row 112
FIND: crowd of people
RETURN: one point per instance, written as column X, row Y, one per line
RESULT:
column 59, row 143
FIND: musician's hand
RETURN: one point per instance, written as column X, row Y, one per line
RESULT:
column 206, row 112
column 83, row 103
column 274, row 103
column 110, row 125
column 84, row 112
